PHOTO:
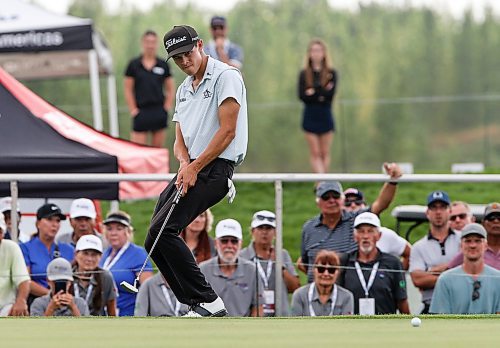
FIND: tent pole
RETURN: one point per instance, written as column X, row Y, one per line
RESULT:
column 14, row 231
column 95, row 90
column 112, row 107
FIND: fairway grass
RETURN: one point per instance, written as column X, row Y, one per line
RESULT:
column 250, row 332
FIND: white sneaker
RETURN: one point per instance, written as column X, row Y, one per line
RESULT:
column 205, row 309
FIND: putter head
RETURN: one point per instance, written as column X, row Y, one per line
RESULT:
column 129, row 287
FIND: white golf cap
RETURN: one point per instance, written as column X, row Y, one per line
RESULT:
column 228, row 227
column 368, row 219
column 263, row 217
column 89, row 242
column 59, row 269
column 6, row 204
column 3, row 226
column 82, row 207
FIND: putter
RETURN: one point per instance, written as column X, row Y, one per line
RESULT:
column 133, row 288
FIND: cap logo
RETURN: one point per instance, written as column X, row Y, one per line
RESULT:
column 53, row 208
column 437, row 194
column 170, row 42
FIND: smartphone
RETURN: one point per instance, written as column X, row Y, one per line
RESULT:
column 60, row 285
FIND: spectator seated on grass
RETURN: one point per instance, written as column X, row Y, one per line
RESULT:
column 390, row 242
column 42, row 248
column 491, row 223
column 232, row 277
column 261, row 249
column 376, row 279
column 92, row 283
column 323, row 297
column 59, row 301
column 156, row 299
column 431, row 254
column 123, row 259
column 14, row 277
column 332, row 229
column 473, row 287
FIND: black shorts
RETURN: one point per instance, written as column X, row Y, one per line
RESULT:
column 150, row 118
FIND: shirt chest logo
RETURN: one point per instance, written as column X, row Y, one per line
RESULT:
column 207, row 94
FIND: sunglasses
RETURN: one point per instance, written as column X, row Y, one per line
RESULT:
column 265, row 218
column 492, row 217
column 233, row 241
column 357, row 202
column 328, row 195
column 329, row 269
column 458, row 216
column 475, row 293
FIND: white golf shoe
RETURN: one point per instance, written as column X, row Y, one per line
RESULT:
column 207, row 309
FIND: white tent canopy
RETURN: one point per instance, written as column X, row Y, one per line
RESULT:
column 38, row 44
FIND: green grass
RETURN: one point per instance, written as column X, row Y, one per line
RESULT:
column 388, row 331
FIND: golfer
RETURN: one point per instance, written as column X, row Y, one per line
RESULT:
column 211, row 138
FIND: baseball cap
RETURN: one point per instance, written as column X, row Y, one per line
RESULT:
column 228, row 227
column 492, row 208
column 3, row 225
column 89, row 241
column 438, row 196
column 351, row 191
column 368, row 219
column 59, row 269
column 218, row 21
column 48, row 210
column 263, row 217
column 82, row 207
column 117, row 217
column 473, row 228
column 6, row 204
column 180, row 39
column 326, row 186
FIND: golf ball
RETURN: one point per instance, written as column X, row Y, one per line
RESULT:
column 415, row 322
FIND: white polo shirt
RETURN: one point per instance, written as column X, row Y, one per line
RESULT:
column 197, row 111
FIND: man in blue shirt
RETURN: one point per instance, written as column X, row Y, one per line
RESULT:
column 220, row 47
column 473, row 288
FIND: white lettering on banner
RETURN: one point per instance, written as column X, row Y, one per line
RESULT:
column 32, row 39
column 174, row 41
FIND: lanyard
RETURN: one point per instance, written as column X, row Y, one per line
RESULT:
column 366, row 288
column 110, row 262
column 89, row 291
column 177, row 307
column 310, row 298
column 265, row 276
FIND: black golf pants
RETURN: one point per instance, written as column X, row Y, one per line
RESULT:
column 171, row 254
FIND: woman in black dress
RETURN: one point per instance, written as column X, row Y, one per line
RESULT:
column 317, row 85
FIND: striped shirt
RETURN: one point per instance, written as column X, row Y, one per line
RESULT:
column 197, row 110
column 316, row 236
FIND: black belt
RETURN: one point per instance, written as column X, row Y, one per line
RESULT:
column 233, row 163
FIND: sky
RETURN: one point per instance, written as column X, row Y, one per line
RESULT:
column 454, row 7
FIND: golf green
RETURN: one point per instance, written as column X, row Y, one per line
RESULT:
column 389, row 331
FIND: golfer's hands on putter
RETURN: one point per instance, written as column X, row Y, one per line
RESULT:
column 186, row 176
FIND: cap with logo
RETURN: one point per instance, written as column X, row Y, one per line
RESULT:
column 367, row 218
column 438, row 196
column 351, row 191
column 492, row 208
column 218, row 21
column 3, row 225
column 228, row 227
column 473, row 228
column 263, row 217
column 48, row 210
column 59, row 269
column 6, row 205
column 181, row 39
column 89, row 242
column 82, row 207
column 326, row 186
column 117, row 217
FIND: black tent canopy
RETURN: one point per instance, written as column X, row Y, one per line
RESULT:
column 30, row 145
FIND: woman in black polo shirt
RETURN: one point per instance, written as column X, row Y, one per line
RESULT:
column 149, row 93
